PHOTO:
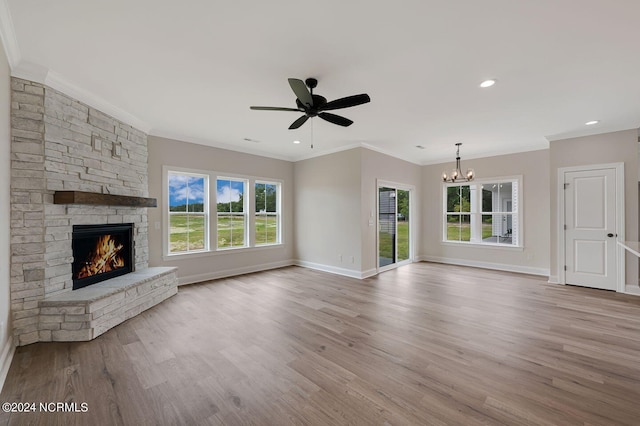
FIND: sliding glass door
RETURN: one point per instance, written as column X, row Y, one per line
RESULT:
column 394, row 226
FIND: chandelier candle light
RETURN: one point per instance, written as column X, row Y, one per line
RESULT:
column 456, row 174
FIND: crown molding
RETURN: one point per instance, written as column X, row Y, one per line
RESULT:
column 42, row 75
column 56, row 81
column 321, row 153
column 390, row 154
column 8, row 35
column 30, row 71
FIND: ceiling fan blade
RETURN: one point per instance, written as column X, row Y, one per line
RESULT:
column 335, row 119
column 301, row 91
column 347, row 102
column 299, row 122
column 264, row 108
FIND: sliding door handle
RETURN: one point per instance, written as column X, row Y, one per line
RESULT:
column 611, row 235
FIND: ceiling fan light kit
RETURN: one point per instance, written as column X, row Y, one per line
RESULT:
column 313, row 105
column 456, row 174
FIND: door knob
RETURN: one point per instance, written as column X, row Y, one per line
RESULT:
column 611, row 235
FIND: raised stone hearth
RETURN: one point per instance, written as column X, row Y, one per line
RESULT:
column 86, row 313
column 61, row 144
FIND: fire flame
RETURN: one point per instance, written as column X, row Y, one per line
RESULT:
column 104, row 258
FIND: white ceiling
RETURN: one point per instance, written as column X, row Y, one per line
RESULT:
column 190, row 69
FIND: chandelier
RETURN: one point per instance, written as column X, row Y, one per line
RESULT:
column 456, row 174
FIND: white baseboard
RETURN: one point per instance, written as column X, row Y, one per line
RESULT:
column 191, row 279
column 487, row 265
column 369, row 273
column 335, row 270
column 553, row 279
column 5, row 360
column 632, row 289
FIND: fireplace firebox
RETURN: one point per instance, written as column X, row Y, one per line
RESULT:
column 101, row 252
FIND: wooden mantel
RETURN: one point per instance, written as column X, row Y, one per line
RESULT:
column 96, row 198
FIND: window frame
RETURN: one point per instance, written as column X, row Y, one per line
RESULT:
column 169, row 213
column 476, row 213
column 277, row 214
column 211, row 231
column 244, row 214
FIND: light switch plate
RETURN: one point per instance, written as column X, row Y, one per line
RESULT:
column 96, row 142
column 117, row 150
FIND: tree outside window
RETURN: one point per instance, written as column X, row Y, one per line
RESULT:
column 232, row 219
column 267, row 215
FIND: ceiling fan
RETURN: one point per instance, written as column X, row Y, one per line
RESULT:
column 315, row 105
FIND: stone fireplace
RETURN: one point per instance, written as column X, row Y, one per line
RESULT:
column 59, row 144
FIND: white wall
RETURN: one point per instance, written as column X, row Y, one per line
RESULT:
column 377, row 166
column 327, row 212
column 615, row 147
column 6, row 346
column 195, row 268
column 534, row 258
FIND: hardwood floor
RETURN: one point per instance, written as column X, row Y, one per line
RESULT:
column 422, row 344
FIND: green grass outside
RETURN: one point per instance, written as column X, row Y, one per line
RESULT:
column 230, row 231
column 187, row 232
column 462, row 231
column 266, row 229
column 385, row 242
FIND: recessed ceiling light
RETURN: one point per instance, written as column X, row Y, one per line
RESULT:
column 296, row 142
column 592, row 122
column 487, row 83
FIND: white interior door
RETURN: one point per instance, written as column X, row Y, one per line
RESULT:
column 590, row 236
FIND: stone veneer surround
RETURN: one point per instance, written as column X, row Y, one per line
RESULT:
column 58, row 143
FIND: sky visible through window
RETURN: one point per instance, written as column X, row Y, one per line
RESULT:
column 229, row 190
column 186, row 190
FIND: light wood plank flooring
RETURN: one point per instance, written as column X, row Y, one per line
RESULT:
column 424, row 344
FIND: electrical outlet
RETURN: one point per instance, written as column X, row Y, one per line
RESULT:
column 340, row 257
column 156, row 225
column 530, row 256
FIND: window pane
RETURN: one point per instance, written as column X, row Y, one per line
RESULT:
column 459, row 199
column 230, row 195
column 187, row 195
column 266, row 229
column 487, row 198
column 237, row 196
column 453, row 198
column 465, row 199
column 402, row 223
column 178, row 189
column 231, row 230
column 186, row 232
column 271, row 198
column 459, row 227
column 497, row 228
column 487, row 229
column 195, row 194
column 266, row 197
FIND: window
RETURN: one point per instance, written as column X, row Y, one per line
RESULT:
column 267, row 225
column 188, row 212
column 206, row 212
column 232, row 218
column 483, row 212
